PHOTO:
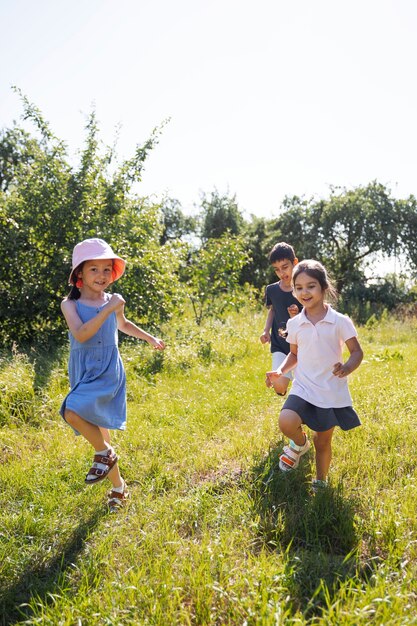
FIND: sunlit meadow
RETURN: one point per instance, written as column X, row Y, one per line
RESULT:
column 213, row 533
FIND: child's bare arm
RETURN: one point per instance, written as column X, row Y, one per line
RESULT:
column 82, row 331
column 287, row 365
column 356, row 355
column 266, row 335
column 129, row 328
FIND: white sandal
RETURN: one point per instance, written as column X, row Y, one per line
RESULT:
column 291, row 455
column 318, row 485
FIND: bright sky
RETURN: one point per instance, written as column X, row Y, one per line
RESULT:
column 266, row 99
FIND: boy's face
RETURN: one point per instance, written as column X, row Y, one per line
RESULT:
column 283, row 269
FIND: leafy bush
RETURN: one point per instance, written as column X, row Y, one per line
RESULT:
column 213, row 276
column 47, row 206
column 367, row 303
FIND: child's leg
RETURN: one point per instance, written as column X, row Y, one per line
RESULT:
column 99, row 439
column 114, row 475
column 106, row 434
column 290, row 424
column 323, row 446
column 91, row 432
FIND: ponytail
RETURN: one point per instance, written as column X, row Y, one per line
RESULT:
column 74, row 293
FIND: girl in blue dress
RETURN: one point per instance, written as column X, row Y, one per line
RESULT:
column 97, row 400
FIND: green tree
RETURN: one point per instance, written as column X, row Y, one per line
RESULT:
column 219, row 214
column 257, row 234
column 213, row 276
column 407, row 231
column 151, row 283
column 33, row 221
column 345, row 231
column 175, row 224
column 47, row 206
column 16, row 148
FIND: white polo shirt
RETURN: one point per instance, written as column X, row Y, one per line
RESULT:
column 319, row 347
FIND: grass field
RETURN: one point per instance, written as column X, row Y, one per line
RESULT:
column 214, row 533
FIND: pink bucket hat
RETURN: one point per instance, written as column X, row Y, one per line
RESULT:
column 94, row 250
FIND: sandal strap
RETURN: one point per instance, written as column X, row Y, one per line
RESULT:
column 115, row 495
column 96, row 471
column 289, row 452
column 116, row 499
column 106, row 459
column 100, row 473
column 295, row 446
column 287, row 460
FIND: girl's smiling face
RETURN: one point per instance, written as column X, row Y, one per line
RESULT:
column 308, row 292
column 97, row 274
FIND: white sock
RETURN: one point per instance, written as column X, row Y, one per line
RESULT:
column 121, row 488
column 104, row 452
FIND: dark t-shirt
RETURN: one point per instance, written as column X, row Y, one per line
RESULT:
column 279, row 300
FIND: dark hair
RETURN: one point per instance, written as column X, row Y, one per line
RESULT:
column 281, row 251
column 316, row 270
column 75, row 293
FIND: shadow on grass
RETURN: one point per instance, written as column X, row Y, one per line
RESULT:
column 41, row 581
column 45, row 359
column 316, row 531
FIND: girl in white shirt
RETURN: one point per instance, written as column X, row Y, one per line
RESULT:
column 319, row 396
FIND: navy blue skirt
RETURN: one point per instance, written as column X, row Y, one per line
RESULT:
column 320, row 419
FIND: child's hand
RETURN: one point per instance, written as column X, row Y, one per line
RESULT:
column 265, row 337
column 276, row 380
column 116, row 302
column 340, row 370
column 293, row 310
column 272, row 377
column 157, row 344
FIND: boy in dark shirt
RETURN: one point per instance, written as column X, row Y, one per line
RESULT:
column 282, row 305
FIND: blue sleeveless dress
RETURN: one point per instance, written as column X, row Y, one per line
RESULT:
column 96, row 374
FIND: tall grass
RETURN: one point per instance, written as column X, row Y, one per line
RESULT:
column 214, row 533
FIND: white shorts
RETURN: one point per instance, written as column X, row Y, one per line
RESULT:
column 277, row 359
